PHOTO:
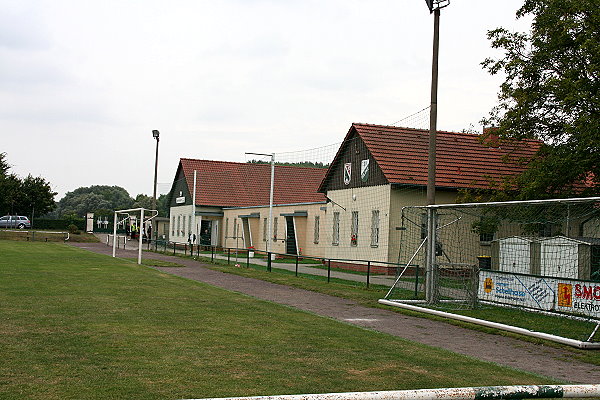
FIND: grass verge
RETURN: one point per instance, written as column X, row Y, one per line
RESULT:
column 368, row 297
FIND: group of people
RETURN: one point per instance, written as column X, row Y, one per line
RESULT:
column 133, row 231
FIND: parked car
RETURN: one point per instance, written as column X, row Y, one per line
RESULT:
column 15, row 221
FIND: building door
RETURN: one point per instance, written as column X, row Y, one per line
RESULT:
column 205, row 232
column 290, row 237
column 247, row 234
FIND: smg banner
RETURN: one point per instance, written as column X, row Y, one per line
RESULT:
column 542, row 293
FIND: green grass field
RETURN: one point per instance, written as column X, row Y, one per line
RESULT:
column 556, row 325
column 74, row 324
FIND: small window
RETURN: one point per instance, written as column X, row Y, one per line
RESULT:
column 235, row 228
column 265, row 229
column 226, row 227
column 336, row 229
column 178, row 224
column 316, row 233
column 172, row 225
column 375, row 228
column 183, row 227
column 274, row 229
column 354, row 229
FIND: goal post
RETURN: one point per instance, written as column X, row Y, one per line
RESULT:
column 149, row 216
column 540, row 254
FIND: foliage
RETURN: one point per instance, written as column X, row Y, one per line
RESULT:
column 309, row 164
column 97, row 199
column 30, row 196
column 550, row 93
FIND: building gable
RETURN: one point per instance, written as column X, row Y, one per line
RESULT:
column 180, row 194
column 353, row 167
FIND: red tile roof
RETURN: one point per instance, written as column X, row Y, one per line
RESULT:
column 231, row 184
column 462, row 160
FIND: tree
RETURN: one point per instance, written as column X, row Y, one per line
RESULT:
column 30, row 196
column 37, row 196
column 4, row 167
column 550, row 93
column 142, row 200
column 98, row 199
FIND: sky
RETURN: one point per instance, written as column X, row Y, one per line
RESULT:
column 84, row 83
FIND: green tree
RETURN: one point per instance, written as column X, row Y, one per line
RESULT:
column 98, row 199
column 30, row 196
column 37, row 197
column 4, row 167
column 142, row 200
column 550, row 93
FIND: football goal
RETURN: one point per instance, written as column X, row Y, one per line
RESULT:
column 139, row 216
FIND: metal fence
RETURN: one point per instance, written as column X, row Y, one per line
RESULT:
column 366, row 272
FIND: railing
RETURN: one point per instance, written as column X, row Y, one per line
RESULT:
column 368, row 271
column 466, row 393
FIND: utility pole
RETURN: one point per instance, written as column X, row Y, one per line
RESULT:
column 430, row 292
column 433, row 109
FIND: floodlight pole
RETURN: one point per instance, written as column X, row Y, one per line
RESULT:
column 155, row 135
column 433, row 110
column 434, row 7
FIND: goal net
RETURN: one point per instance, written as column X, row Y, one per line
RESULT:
column 136, row 219
column 543, row 255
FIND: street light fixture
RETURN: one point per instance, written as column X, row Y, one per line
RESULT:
column 155, row 135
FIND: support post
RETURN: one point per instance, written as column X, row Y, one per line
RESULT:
column 115, row 236
column 140, row 237
column 433, row 110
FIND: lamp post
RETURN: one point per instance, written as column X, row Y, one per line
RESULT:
column 155, row 135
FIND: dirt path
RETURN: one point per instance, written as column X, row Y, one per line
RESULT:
column 539, row 359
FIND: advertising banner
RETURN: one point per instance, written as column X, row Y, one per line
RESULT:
column 542, row 293
column 519, row 290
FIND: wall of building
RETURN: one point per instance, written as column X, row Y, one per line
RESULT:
column 361, row 200
column 233, row 237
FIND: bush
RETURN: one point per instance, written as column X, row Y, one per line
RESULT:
column 73, row 229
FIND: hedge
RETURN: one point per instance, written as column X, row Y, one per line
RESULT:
column 58, row 224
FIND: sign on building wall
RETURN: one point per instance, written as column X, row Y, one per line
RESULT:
column 364, row 170
column 570, row 296
column 347, row 173
column 180, row 200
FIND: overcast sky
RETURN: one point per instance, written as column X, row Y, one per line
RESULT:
column 84, row 83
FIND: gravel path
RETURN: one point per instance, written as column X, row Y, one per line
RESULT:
column 539, row 359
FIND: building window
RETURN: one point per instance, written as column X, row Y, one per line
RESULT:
column 226, row 227
column 178, row 224
column 190, row 231
column 336, row 229
column 375, row 228
column 354, row 229
column 235, row 228
column 317, row 223
column 275, row 229
column 423, row 226
column 265, row 228
column 183, row 227
column 172, row 225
